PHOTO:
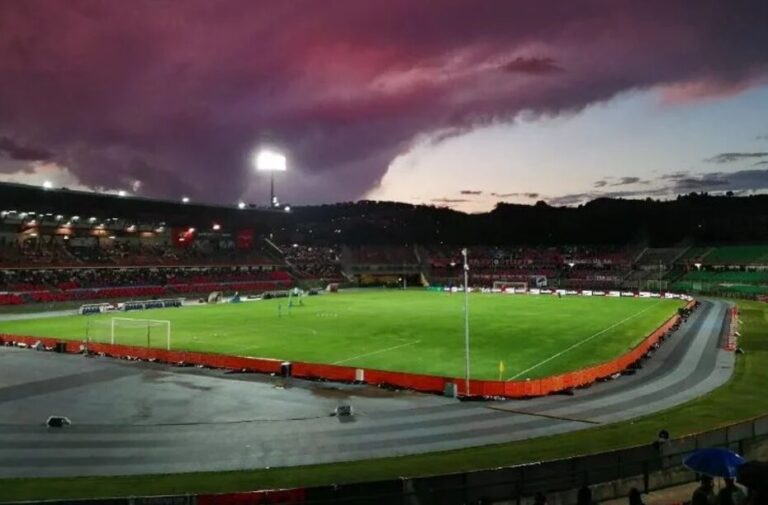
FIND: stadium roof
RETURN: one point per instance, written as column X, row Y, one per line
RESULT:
column 27, row 198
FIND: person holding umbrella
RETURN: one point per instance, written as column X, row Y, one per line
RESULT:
column 731, row 494
column 705, row 493
column 711, row 463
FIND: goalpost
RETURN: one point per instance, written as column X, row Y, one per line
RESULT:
column 129, row 331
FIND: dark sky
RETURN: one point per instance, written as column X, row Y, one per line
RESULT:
column 171, row 97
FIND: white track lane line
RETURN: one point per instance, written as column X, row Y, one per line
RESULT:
column 376, row 352
column 577, row 344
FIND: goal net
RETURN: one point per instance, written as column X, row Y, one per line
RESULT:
column 129, row 331
column 513, row 286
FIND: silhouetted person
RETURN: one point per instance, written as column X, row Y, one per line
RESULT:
column 584, row 496
column 704, row 494
column 731, row 494
column 635, row 498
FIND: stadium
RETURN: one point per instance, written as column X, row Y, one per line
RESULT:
column 172, row 350
column 401, row 252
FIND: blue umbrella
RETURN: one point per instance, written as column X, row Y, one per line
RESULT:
column 714, row 462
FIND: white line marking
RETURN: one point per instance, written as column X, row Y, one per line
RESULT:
column 376, row 352
column 577, row 344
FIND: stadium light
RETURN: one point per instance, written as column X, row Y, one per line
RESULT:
column 47, row 185
column 122, row 193
column 287, row 208
column 184, row 199
column 216, row 227
column 270, row 161
column 241, row 205
column 697, row 265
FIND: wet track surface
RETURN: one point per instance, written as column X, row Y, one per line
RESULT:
column 139, row 418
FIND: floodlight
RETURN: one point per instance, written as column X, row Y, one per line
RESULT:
column 287, row 208
column 697, row 265
column 241, row 205
column 47, row 185
column 270, row 161
column 121, row 193
column 185, row 199
column 191, row 230
column 216, row 227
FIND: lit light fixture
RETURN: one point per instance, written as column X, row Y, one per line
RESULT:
column 92, row 220
column 75, row 218
column 216, row 227
column 111, row 237
column 47, row 185
column 191, row 230
column 121, row 193
column 270, row 161
column 287, row 208
column 59, row 217
column 241, row 205
column 185, row 199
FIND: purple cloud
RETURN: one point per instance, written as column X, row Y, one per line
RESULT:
column 176, row 95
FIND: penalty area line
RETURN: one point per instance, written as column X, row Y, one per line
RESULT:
column 376, row 352
column 577, row 344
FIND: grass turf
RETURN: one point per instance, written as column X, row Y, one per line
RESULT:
column 408, row 331
column 741, row 398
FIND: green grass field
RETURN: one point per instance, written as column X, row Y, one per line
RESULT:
column 410, row 331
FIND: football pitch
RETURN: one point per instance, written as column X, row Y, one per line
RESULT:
column 408, row 331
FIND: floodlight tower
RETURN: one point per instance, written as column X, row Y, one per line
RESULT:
column 270, row 161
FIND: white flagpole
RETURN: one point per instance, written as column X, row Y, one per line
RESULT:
column 466, row 322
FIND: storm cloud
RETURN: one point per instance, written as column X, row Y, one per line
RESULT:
column 171, row 98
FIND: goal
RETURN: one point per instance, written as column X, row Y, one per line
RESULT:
column 129, row 331
column 512, row 286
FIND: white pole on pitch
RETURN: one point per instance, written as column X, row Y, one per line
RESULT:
column 466, row 322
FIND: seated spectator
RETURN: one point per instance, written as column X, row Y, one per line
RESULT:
column 635, row 498
column 731, row 494
column 704, row 494
column 584, row 496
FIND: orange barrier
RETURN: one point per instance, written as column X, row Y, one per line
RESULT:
column 418, row 382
